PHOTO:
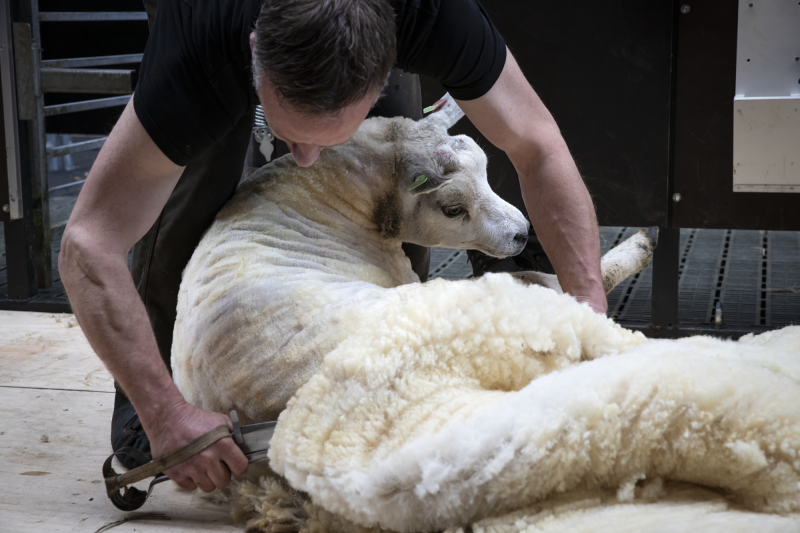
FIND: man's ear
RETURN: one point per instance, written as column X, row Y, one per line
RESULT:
column 425, row 182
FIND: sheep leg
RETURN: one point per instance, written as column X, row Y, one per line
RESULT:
column 624, row 260
column 530, row 277
column 628, row 258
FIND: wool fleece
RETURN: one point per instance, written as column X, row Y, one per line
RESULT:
column 474, row 399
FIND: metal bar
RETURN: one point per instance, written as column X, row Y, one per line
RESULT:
column 75, row 80
column 20, row 270
column 86, row 105
column 29, row 101
column 19, row 233
column 651, row 331
column 74, row 148
column 666, row 264
column 36, row 145
column 98, row 61
column 91, row 16
column 56, row 191
column 9, row 94
column 25, row 70
column 38, row 305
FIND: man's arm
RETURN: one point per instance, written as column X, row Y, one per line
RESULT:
column 124, row 193
column 513, row 118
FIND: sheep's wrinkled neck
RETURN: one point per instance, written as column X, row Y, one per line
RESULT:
column 359, row 183
column 330, row 208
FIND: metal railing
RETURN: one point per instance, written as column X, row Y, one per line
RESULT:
column 24, row 79
column 91, row 16
column 100, row 61
column 74, row 148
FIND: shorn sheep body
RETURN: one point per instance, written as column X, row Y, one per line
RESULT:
column 486, row 403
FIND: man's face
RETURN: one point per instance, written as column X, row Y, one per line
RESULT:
column 305, row 135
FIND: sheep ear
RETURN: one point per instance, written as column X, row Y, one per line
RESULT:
column 444, row 113
column 424, row 183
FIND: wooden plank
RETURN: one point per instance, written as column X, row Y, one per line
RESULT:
column 48, row 351
column 52, row 447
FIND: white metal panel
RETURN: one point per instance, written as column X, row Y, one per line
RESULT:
column 766, row 144
column 766, row 124
column 768, row 48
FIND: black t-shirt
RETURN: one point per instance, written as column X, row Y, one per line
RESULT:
column 195, row 81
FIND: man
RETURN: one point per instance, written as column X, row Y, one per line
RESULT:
column 175, row 157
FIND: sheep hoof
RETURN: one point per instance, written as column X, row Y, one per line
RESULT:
column 652, row 235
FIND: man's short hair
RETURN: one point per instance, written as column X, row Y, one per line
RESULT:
column 324, row 55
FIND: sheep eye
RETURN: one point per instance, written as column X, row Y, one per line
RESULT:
column 452, row 211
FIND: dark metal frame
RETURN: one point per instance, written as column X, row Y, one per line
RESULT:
column 643, row 94
column 701, row 161
column 28, row 237
column 705, row 89
column 642, row 91
column 664, row 320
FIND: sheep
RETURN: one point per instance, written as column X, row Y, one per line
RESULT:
column 299, row 255
column 486, row 403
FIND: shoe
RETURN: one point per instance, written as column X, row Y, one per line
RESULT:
column 532, row 257
column 127, row 434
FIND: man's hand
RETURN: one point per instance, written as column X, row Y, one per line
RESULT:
column 513, row 118
column 124, row 193
column 599, row 303
column 207, row 470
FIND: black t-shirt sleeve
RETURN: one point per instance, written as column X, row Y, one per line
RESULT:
column 194, row 82
column 452, row 41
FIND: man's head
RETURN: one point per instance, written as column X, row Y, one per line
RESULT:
column 319, row 66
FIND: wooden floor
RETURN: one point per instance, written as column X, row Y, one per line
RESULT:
column 56, row 400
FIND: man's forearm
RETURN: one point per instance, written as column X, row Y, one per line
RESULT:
column 514, row 119
column 128, row 186
column 115, row 322
column 563, row 216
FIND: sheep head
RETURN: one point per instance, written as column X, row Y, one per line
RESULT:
column 443, row 192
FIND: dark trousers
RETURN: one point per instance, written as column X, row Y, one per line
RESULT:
column 206, row 184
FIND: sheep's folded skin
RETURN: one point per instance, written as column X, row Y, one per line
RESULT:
column 272, row 288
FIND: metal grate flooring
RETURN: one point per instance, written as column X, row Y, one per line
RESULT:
column 449, row 264
column 753, row 276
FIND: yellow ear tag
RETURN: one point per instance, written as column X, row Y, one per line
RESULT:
column 419, row 181
column 434, row 107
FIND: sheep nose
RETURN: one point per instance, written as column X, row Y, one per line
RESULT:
column 521, row 238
